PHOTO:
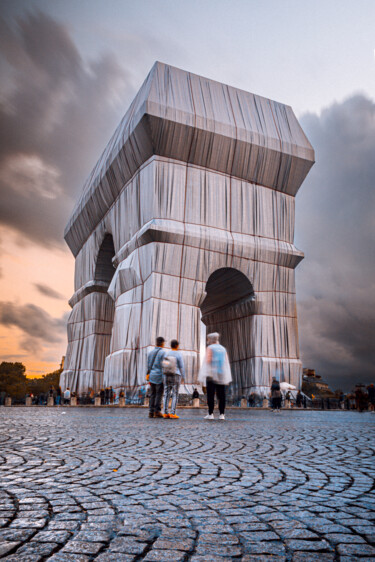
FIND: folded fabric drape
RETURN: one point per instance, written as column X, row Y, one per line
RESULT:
column 189, row 213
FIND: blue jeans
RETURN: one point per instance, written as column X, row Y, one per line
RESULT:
column 171, row 387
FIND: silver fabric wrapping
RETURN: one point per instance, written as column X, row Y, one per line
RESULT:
column 190, row 213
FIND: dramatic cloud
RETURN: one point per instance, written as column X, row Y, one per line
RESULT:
column 38, row 327
column 336, row 230
column 57, row 112
column 47, row 291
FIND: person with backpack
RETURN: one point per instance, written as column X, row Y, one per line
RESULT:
column 173, row 374
column 155, row 378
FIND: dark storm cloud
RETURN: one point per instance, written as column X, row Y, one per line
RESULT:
column 336, row 230
column 38, row 327
column 57, row 111
column 47, row 291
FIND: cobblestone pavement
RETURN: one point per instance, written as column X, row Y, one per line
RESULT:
column 108, row 484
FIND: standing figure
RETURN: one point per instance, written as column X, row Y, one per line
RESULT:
column 173, row 374
column 215, row 375
column 155, row 378
column 371, row 396
column 58, row 396
column 67, row 396
column 276, row 396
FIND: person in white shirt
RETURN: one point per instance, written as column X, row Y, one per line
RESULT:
column 67, row 396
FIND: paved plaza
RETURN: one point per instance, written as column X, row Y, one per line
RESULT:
column 111, row 484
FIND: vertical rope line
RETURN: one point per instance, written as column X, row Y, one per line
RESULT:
column 137, row 249
column 184, row 216
column 278, row 252
column 230, row 206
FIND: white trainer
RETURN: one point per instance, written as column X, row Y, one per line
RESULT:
column 209, row 417
column 222, row 417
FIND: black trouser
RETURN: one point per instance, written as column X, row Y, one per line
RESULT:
column 156, row 393
column 212, row 387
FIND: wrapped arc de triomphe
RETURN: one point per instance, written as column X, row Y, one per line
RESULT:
column 189, row 215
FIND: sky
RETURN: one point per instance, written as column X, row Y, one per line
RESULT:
column 68, row 72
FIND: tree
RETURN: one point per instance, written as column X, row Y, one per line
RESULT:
column 41, row 385
column 13, row 379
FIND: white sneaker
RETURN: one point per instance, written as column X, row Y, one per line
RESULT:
column 209, row 417
column 222, row 417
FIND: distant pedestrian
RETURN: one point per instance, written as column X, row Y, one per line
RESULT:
column 58, row 396
column 371, row 396
column 67, row 396
column 275, row 395
column 299, row 399
column 106, row 396
column 111, row 395
column 305, row 402
column 215, row 375
column 361, row 399
column 195, row 394
column 173, row 375
column 155, row 378
column 102, row 396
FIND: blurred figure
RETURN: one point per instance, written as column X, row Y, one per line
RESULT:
column 195, row 394
column 51, row 393
column 251, row 400
column 275, row 395
column 215, row 375
column 299, row 399
column 371, row 396
column 58, row 396
column 67, row 396
column 361, row 398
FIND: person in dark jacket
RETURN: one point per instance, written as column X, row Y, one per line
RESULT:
column 102, row 396
column 58, row 396
column 276, row 396
column 195, row 394
column 371, row 396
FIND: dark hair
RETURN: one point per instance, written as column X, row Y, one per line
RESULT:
column 174, row 344
column 159, row 341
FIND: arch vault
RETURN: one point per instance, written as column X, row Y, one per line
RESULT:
column 192, row 206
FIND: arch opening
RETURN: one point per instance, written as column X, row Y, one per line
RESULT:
column 228, row 309
column 104, row 269
column 226, row 287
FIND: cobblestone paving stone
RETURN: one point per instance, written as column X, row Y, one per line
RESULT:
column 107, row 484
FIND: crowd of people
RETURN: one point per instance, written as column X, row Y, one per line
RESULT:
column 166, row 372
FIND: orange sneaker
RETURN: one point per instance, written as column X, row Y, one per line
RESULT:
column 166, row 416
column 174, row 416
